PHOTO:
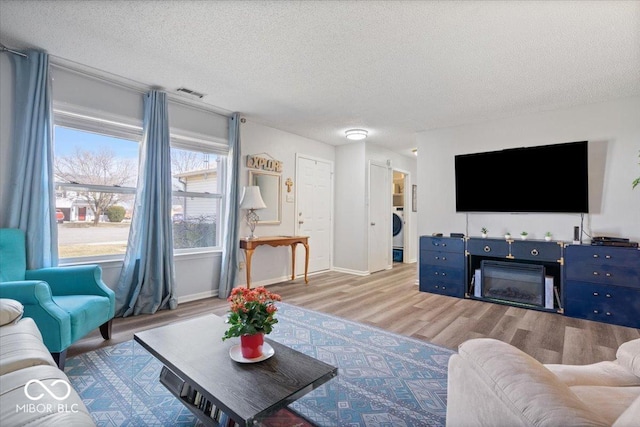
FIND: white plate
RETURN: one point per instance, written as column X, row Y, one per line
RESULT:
column 236, row 354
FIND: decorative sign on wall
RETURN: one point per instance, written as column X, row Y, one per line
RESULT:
column 262, row 163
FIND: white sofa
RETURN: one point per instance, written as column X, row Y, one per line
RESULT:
column 33, row 391
column 491, row 383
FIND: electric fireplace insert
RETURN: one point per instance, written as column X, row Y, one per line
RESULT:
column 516, row 283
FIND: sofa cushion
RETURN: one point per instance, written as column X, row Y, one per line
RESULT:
column 610, row 402
column 10, row 311
column 628, row 355
column 27, row 402
column 22, row 346
column 630, row 416
column 600, row 374
column 525, row 387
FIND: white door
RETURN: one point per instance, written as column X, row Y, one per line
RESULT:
column 379, row 217
column 314, row 198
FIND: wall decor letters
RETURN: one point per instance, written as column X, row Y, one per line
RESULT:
column 257, row 162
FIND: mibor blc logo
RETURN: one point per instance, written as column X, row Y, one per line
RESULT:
column 35, row 390
column 44, row 387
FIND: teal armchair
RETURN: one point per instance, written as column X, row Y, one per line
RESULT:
column 65, row 302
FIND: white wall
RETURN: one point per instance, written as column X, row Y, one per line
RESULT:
column 272, row 265
column 613, row 131
column 350, row 226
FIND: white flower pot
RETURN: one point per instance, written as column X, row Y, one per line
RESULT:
column 547, row 238
column 523, row 237
column 484, row 235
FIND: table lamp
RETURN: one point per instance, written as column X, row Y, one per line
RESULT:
column 252, row 200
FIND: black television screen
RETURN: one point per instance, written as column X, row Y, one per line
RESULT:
column 548, row 178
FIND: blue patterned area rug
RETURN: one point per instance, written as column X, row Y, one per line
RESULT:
column 384, row 379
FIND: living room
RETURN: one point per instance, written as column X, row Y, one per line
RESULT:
column 585, row 89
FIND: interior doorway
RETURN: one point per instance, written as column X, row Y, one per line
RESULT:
column 399, row 216
column 379, row 239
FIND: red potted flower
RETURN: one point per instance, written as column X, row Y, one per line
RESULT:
column 251, row 317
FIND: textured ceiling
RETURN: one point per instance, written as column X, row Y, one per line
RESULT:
column 317, row 68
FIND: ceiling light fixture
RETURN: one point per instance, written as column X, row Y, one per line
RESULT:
column 356, row 134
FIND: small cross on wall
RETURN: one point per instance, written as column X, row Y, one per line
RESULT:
column 289, row 184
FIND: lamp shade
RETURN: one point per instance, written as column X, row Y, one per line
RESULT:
column 251, row 198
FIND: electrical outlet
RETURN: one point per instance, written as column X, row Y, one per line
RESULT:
column 241, row 265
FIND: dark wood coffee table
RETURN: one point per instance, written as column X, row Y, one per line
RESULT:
column 196, row 359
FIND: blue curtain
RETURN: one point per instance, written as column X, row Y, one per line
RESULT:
column 230, row 236
column 32, row 200
column 147, row 281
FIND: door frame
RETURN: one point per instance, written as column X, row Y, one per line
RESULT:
column 331, row 201
column 389, row 205
column 406, row 212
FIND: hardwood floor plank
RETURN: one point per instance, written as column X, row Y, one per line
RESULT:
column 391, row 300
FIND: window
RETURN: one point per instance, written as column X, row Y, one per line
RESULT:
column 196, row 198
column 96, row 173
column 95, row 177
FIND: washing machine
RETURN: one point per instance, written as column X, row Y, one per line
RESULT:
column 398, row 225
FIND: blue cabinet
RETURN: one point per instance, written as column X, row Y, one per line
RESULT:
column 442, row 266
column 603, row 284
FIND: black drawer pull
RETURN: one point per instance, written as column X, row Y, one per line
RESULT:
column 444, row 287
column 534, row 252
column 444, row 258
column 436, row 273
column 608, row 295
column 595, row 294
column 487, row 249
column 595, row 273
column 596, row 256
column 596, row 312
column 608, row 274
column 444, row 244
column 607, row 256
column 437, row 287
column 437, row 257
column 444, row 274
column 436, row 244
column 608, row 314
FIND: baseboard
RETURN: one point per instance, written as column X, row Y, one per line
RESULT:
column 200, row 295
column 349, row 271
column 267, row 282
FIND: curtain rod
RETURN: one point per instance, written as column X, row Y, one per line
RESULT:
column 3, row 48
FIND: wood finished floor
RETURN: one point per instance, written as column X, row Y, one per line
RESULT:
column 390, row 300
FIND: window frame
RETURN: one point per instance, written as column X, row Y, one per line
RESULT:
column 88, row 121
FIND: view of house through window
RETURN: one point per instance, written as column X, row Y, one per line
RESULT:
column 196, row 198
column 96, row 177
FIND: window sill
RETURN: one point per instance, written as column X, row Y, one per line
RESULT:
column 119, row 259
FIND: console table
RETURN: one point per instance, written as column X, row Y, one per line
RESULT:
column 448, row 264
column 600, row 283
column 249, row 245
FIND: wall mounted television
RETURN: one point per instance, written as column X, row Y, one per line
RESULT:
column 543, row 179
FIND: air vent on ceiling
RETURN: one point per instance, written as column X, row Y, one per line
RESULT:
column 191, row 92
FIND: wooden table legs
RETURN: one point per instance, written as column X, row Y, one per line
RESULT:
column 249, row 254
column 293, row 261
